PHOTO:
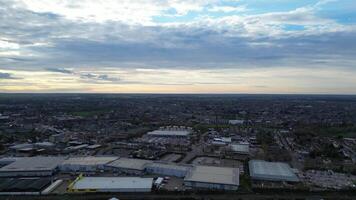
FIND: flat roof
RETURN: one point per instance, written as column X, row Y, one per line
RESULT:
column 113, row 183
column 129, row 163
column 271, row 171
column 169, row 166
column 39, row 163
column 89, row 160
column 215, row 175
column 245, row 148
column 169, row 133
column 23, row 184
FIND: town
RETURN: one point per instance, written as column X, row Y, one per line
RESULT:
column 69, row 144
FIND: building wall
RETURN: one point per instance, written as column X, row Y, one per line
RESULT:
column 88, row 190
column 80, row 168
column 125, row 170
column 166, row 171
column 211, row 186
column 26, row 173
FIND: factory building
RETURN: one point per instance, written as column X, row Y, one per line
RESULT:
column 8, row 160
column 111, row 184
column 212, row 178
column 167, row 169
column 242, row 148
column 128, row 166
column 174, row 131
column 85, row 164
column 31, row 166
column 261, row 170
column 23, row 186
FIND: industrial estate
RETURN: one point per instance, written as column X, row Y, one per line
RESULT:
column 175, row 145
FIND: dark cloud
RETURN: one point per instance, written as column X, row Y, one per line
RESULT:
column 99, row 77
column 60, row 70
column 77, row 44
column 7, row 76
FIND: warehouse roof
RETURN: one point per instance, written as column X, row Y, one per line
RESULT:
column 168, row 166
column 242, row 148
column 112, row 183
column 215, row 175
column 33, row 164
column 169, row 133
column 271, row 171
column 129, row 163
column 89, row 160
column 23, row 184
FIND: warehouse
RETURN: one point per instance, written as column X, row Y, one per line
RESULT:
column 240, row 148
column 168, row 169
column 31, row 166
column 213, row 178
column 128, row 166
column 23, row 186
column 86, row 164
column 169, row 133
column 8, row 160
column 271, row 171
column 111, row 184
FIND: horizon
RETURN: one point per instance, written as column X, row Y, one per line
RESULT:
column 301, row 47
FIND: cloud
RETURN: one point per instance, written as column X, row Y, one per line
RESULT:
column 228, row 8
column 87, row 38
column 7, row 76
column 60, row 70
column 99, row 77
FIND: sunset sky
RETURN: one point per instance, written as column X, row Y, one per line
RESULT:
column 178, row 46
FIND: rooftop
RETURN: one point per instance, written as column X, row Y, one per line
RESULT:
column 112, row 183
column 129, row 163
column 244, row 148
column 216, row 175
column 169, row 133
column 271, row 171
column 33, row 164
column 169, row 165
column 23, row 184
column 89, row 160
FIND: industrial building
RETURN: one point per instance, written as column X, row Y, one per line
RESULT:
column 212, row 178
column 173, row 131
column 168, row 169
column 128, row 166
column 111, row 184
column 271, row 171
column 8, row 160
column 31, row 166
column 23, row 186
column 242, row 148
column 86, row 164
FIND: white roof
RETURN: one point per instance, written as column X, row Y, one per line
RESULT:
column 129, row 163
column 113, row 183
column 244, row 148
column 49, row 144
column 216, row 175
column 89, row 160
column 168, row 166
column 236, row 121
column 169, row 133
column 33, row 164
column 21, row 146
column 271, row 171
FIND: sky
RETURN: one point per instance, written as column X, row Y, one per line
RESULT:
column 178, row 46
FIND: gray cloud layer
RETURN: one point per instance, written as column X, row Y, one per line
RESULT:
column 6, row 76
column 47, row 39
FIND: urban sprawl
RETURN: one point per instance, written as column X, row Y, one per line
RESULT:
column 55, row 144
